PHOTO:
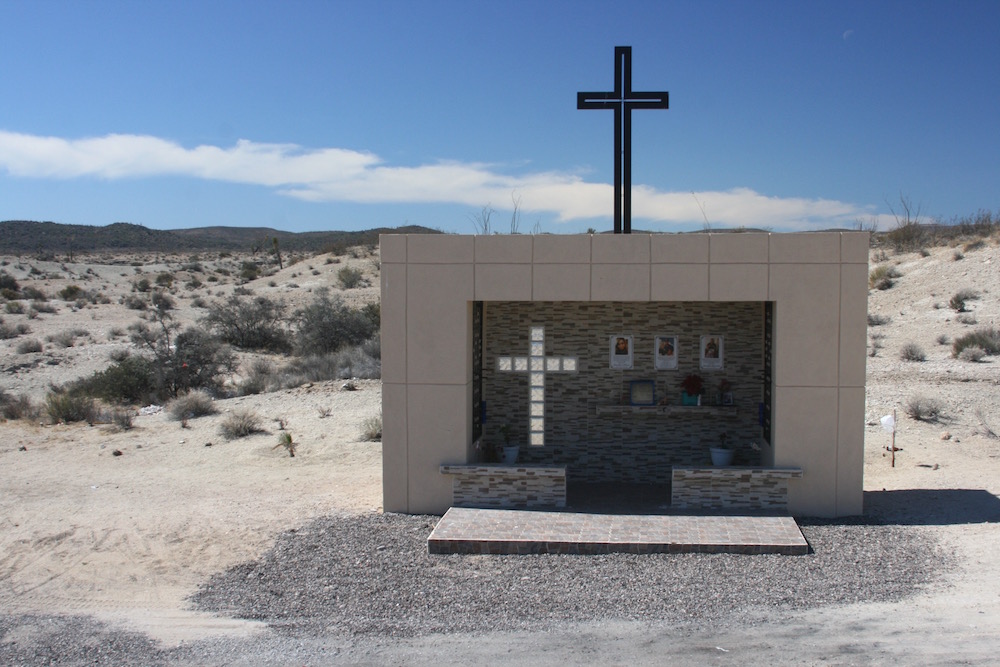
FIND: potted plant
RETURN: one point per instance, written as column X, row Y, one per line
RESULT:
column 510, row 451
column 691, row 389
column 722, row 455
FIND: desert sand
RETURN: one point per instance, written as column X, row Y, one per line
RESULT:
column 127, row 538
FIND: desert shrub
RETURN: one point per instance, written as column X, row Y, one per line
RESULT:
column 8, row 294
column 957, row 302
column 193, row 267
column 371, row 428
column 978, row 244
column 965, row 318
column 29, row 346
column 985, row 338
column 958, row 256
column 116, row 332
column 17, row 407
column 252, row 324
column 42, row 307
column 258, row 377
column 165, row 279
column 238, row 291
column 349, row 277
column 33, row 293
column 193, row 359
column 8, row 282
column 67, row 407
column 942, row 339
column 142, row 285
column 912, row 352
column 199, row 302
column 924, row 252
column 876, row 320
column 130, row 380
column 240, row 424
column 191, row 405
column 122, row 419
column 162, row 301
column 8, row 331
column 63, row 338
column 883, row 276
column 71, row 293
column 14, row 307
column 194, row 283
column 249, row 271
column 972, row 353
column 285, row 440
column 328, row 324
column 343, row 364
column 923, row 408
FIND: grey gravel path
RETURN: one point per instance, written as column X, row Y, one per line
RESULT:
column 344, row 581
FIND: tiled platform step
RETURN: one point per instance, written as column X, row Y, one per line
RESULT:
column 492, row 531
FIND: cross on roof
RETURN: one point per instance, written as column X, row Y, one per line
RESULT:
column 536, row 365
column 623, row 99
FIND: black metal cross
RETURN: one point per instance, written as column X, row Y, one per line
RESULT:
column 623, row 99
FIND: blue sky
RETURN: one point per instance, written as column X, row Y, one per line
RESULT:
column 351, row 115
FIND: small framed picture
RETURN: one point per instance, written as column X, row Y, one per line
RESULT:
column 711, row 352
column 620, row 351
column 727, row 398
column 642, row 392
column 665, row 353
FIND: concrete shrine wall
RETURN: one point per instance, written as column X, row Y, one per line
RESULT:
column 817, row 285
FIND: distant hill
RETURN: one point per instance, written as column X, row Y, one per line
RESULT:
column 21, row 236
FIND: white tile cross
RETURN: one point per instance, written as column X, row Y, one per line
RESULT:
column 536, row 365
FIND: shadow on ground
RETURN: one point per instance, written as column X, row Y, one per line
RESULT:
column 932, row 507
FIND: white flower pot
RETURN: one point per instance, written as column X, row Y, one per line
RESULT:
column 510, row 453
column 721, row 456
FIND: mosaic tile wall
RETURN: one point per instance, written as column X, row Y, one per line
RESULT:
column 626, row 447
column 507, row 486
column 732, row 488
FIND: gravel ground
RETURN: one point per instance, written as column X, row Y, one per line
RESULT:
column 372, row 575
column 340, row 581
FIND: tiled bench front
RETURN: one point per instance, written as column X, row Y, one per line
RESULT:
column 731, row 488
column 517, row 486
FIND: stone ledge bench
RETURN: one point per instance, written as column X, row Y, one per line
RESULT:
column 731, row 488
column 496, row 485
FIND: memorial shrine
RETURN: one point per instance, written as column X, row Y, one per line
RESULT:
column 576, row 347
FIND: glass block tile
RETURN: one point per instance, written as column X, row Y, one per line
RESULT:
column 537, row 380
column 569, row 364
column 537, row 333
column 537, row 439
column 520, row 364
column 504, row 364
column 537, row 394
column 537, row 364
column 537, row 424
column 536, row 409
column 552, row 364
column 538, row 349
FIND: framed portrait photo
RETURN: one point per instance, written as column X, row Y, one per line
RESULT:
column 665, row 353
column 711, row 353
column 620, row 351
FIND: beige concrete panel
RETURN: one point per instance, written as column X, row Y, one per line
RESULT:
column 392, row 248
column 394, row 460
column 854, row 247
column 679, row 282
column 560, row 282
column 737, row 282
column 504, row 249
column 816, row 248
column 620, row 249
column 503, row 282
column 562, row 248
column 851, row 452
column 437, row 323
column 806, row 337
column 393, row 322
column 437, row 432
column 853, row 324
column 619, row 282
column 733, row 248
column 439, row 248
column 805, row 436
column 678, row 248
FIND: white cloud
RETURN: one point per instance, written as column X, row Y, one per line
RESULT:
column 334, row 174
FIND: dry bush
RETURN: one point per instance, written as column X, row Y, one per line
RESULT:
column 350, row 278
column 122, row 419
column 942, row 339
column 957, row 302
column 68, row 407
column 925, row 409
column 14, row 308
column 371, row 428
column 985, row 338
column 876, row 320
column 17, row 407
column 259, row 378
column 972, row 353
column 883, row 276
column 912, row 352
column 240, row 424
column 966, row 318
column 285, row 440
column 29, row 346
column 191, row 405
